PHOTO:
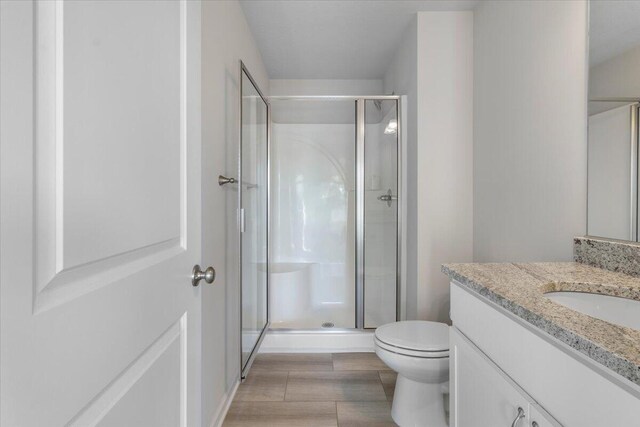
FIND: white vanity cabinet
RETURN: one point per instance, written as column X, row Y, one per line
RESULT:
column 483, row 395
column 499, row 363
column 538, row 417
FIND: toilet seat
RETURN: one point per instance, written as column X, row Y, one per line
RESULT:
column 415, row 338
column 412, row 353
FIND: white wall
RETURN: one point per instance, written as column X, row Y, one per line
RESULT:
column 445, row 147
column 434, row 68
column 617, row 77
column 225, row 40
column 529, row 129
column 290, row 87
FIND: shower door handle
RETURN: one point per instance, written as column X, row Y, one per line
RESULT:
column 223, row 180
column 387, row 198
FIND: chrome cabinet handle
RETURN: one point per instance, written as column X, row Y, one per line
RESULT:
column 209, row 275
column 518, row 417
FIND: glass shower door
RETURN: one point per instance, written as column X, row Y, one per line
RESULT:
column 254, row 202
column 313, row 216
column 380, row 211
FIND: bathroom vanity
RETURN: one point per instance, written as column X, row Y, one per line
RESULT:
column 521, row 358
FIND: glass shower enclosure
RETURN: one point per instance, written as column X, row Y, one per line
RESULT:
column 335, row 236
column 318, row 213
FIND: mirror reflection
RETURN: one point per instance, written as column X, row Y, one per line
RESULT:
column 614, row 95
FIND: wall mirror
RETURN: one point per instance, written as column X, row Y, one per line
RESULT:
column 614, row 97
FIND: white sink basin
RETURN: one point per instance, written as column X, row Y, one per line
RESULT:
column 621, row 311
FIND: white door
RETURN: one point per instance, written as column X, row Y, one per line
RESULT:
column 100, row 213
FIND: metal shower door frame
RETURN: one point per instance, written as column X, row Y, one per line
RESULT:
column 245, row 367
column 360, row 206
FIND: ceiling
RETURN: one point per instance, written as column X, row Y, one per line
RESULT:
column 334, row 39
column 614, row 28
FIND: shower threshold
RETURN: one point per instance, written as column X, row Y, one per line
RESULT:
column 317, row 340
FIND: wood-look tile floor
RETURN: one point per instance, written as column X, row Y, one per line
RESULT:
column 339, row 389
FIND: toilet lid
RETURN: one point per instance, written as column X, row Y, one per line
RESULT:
column 416, row 335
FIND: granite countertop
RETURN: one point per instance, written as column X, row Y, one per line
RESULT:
column 519, row 288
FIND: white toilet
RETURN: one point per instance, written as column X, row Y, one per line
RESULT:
column 419, row 352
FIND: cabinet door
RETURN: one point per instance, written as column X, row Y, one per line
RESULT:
column 538, row 417
column 481, row 394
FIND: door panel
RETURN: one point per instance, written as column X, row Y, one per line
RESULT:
column 106, row 80
column 100, row 213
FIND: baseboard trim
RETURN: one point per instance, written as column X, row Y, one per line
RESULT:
column 221, row 413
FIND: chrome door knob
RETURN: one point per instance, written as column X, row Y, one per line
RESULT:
column 209, row 275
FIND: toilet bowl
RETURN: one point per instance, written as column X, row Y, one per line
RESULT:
column 419, row 352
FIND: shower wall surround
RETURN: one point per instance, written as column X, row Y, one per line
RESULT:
column 313, row 225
